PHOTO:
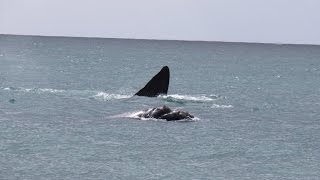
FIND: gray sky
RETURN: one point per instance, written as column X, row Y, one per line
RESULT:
column 270, row 21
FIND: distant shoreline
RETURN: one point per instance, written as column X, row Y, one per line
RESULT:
column 119, row 38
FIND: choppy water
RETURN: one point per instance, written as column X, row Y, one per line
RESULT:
column 65, row 106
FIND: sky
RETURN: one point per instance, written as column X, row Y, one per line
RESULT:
column 265, row 21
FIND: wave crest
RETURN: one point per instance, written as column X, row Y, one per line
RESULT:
column 37, row 90
column 217, row 106
column 106, row 96
column 188, row 98
column 89, row 94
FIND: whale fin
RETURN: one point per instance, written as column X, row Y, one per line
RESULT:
column 157, row 85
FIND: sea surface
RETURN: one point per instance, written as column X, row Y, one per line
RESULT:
column 66, row 107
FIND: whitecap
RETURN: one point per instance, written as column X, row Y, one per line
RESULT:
column 185, row 98
column 217, row 106
column 38, row 90
column 51, row 90
column 107, row 96
column 97, row 95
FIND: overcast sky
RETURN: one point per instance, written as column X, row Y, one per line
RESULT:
column 269, row 21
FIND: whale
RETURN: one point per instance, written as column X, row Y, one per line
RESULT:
column 165, row 113
column 158, row 85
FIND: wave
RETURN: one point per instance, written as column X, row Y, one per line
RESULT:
column 106, row 96
column 38, row 90
column 188, row 98
column 217, row 106
column 88, row 94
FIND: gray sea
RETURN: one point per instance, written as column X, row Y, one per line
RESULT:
column 66, row 107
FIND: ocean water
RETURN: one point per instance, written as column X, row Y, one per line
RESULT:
column 66, row 107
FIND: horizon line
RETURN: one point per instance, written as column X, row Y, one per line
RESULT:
column 123, row 38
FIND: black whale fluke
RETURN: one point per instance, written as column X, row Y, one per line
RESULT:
column 157, row 85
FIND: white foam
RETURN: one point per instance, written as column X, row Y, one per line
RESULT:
column 27, row 90
column 127, row 115
column 51, row 90
column 134, row 114
column 98, row 95
column 107, row 96
column 38, row 90
column 200, row 98
column 217, row 106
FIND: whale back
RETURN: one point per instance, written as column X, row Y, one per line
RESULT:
column 158, row 85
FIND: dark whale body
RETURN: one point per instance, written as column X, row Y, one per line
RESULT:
column 164, row 112
column 158, row 85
